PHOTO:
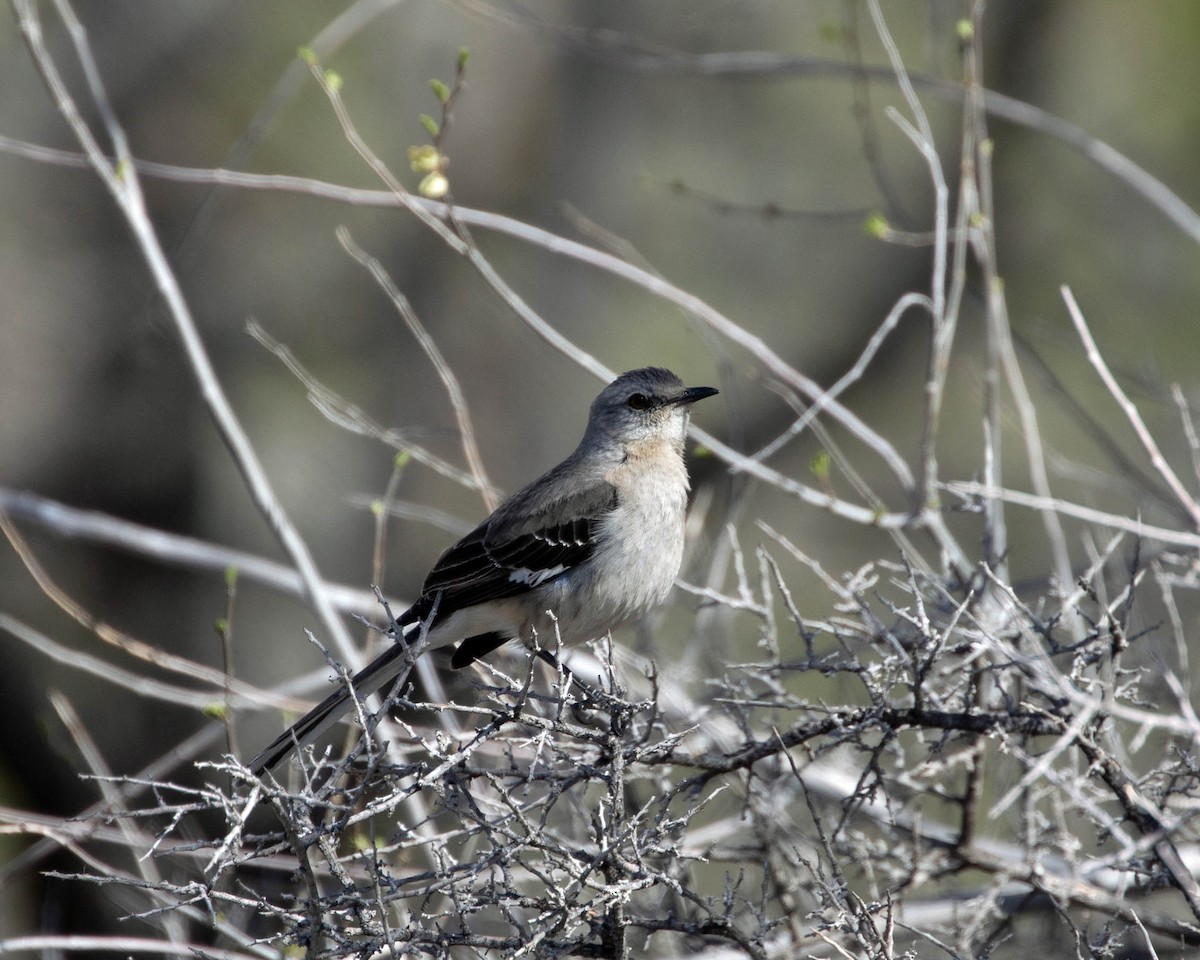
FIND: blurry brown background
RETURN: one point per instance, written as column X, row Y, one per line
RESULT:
column 569, row 110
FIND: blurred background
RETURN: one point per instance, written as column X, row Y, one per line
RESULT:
column 748, row 185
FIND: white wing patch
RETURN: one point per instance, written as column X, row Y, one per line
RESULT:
column 535, row 578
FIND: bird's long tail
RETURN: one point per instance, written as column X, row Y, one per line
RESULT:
column 371, row 679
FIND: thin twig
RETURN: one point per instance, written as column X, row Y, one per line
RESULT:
column 1129, row 409
column 458, row 400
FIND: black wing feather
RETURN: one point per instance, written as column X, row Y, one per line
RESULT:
column 517, row 537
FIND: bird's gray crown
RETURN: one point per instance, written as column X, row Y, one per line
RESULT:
column 642, row 403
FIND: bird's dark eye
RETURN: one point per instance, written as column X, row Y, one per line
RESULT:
column 639, row 401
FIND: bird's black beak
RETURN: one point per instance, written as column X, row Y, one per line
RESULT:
column 692, row 394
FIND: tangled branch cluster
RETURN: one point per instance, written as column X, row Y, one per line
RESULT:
column 928, row 771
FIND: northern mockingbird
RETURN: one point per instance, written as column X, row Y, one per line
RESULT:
column 587, row 546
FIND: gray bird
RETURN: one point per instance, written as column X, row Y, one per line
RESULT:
column 589, row 545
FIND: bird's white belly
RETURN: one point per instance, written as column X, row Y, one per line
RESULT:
column 639, row 553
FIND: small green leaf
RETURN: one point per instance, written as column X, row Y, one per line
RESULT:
column 377, row 507
column 819, row 465
column 221, row 625
column 215, row 710
column 463, row 56
column 231, row 576
column 431, row 125
column 965, row 29
column 308, row 55
column 424, row 159
column 876, row 225
column 440, row 90
column 334, row 80
column 402, row 459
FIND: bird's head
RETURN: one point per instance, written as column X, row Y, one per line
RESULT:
column 644, row 405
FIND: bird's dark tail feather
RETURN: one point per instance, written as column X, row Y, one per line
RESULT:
column 371, row 679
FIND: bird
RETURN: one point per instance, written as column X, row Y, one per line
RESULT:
column 591, row 544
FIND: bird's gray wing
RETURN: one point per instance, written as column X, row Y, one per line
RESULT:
column 531, row 539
